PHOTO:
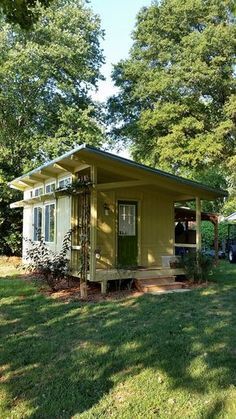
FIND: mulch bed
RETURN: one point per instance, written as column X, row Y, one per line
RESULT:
column 71, row 292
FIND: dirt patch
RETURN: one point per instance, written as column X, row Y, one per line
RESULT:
column 193, row 285
column 94, row 294
column 12, row 261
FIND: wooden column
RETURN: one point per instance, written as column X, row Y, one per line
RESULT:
column 198, row 225
column 93, row 224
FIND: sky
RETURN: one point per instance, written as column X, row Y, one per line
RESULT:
column 118, row 21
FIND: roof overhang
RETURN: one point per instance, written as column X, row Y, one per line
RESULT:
column 85, row 155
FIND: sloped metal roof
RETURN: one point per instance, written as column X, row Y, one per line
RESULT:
column 126, row 162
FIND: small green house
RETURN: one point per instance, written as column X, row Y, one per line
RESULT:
column 131, row 210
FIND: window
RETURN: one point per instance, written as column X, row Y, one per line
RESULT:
column 38, row 191
column 37, row 231
column 127, row 220
column 63, row 183
column 49, row 222
column 50, row 187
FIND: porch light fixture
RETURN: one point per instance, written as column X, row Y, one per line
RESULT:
column 97, row 253
column 106, row 208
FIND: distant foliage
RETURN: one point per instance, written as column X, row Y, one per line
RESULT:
column 177, row 89
column 22, row 11
column 207, row 230
column 10, row 220
column 51, row 266
column 197, row 266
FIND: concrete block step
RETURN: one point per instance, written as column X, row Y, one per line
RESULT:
column 158, row 281
column 169, row 291
column 155, row 286
column 164, row 287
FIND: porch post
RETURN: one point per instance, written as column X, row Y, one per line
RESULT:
column 198, row 225
column 93, row 224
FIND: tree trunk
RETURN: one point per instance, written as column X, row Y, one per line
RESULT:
column 83, row 290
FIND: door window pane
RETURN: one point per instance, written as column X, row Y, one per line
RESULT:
column 127, row 220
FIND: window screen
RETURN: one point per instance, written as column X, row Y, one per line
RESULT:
column 63, row 183
column 49, row 222
column 37, row 225
column 50, row 187
column 127, row 220
column 38, row 191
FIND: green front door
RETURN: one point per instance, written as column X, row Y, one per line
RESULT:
column 127, row 234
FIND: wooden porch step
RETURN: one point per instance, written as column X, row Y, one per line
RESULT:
column 155, row 286
column 158, row 273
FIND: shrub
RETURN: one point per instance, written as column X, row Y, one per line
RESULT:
column 207, row 230
column 51, row 266
column 197, row 266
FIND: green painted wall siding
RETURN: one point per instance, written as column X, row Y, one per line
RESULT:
column 106, row 236
column 155, row 225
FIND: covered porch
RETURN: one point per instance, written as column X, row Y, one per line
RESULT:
column 188, row 239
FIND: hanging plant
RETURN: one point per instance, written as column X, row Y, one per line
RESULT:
column 78, row 186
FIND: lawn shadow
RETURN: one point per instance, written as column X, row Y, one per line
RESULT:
column 62, row 358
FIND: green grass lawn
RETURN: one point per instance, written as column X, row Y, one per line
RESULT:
column 170, row 356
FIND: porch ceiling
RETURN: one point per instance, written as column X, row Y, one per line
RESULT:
column 187, row 214
column 107, row 176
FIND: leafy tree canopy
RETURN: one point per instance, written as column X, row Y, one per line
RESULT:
column 46, row 75
column 178, row 87
column 22, row 11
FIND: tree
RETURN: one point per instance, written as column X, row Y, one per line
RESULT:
column 178, row 85
column 46, row 75
column 22, row 11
